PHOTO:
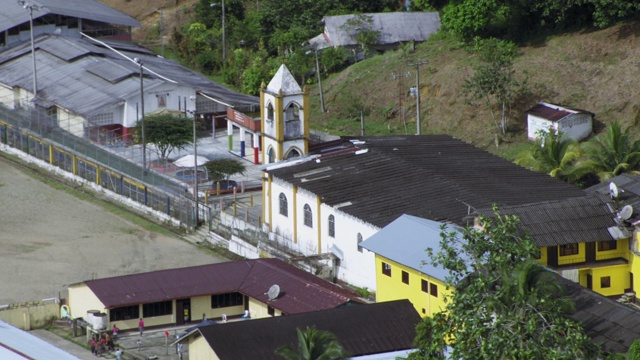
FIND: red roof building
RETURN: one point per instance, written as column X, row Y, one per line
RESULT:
column 180, row 296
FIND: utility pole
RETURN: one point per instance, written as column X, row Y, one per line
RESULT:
column 417, row 65
column 144, row 140
column 161, row 33
column 315, row 49
column 29, row 7
column 401, row 95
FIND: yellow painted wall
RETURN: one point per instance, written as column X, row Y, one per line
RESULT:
column 258, row 309
column 634, row 266
column 619, row 279
column 82, row 299
column 572, row 259
column 543, row 257
column 199, row 349
column 392, row 288
column 202, row 305
column 621, row 251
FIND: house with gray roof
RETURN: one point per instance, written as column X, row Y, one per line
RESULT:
column 90, row 81
column 586, row 239
column 382, row 331
column 347, row 190
column 393, row 29
column 184, row 295
column 62, row 17
column 404, row 269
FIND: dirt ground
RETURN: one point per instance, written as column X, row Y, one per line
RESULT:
column 50, row 239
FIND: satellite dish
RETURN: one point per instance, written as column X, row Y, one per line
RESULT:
column 273, row 292
column 613, row 190
column 626, row 212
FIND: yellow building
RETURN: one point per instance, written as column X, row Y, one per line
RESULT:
column 581, row 240
column 185, row 295
column 403, row 268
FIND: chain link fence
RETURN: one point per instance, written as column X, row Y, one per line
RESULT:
column 115, row 165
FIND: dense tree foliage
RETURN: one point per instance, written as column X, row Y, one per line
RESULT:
column 612, row 153
column 167, row 132
column 223, row 169
column 522, row 20
column 504, row 306
column 554, row 154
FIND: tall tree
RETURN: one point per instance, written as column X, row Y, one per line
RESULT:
column 613, row 153
column 494, row 81
column 313, row 345
column 555, row 154
column 167, row 132
column 504, row 305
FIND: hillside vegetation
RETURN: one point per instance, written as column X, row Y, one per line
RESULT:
column 593, row 70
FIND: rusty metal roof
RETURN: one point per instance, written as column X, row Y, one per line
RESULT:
column 568, row 221
column 361, row 330
column 299, row 291
column 434, row 177
column 554, row 112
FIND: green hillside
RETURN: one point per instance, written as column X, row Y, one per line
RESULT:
column 597, row 71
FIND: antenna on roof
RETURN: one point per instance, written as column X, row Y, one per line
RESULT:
column 273, row 292
column 613, row 190
column 626, row 212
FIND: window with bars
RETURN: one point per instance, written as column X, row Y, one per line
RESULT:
column 157, row 309
column 308, row 220
column 332, row 226
column 226, row 300
column 124, row 313
column 284, row 205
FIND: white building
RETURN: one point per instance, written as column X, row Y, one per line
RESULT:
column 577, row 124
column 347, row 190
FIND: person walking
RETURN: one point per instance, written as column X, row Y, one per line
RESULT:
column 93, row 346
column 118, row 354
column 141, row 326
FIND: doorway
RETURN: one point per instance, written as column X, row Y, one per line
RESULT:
column 183, row 311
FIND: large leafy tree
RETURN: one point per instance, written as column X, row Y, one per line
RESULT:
column 224, row 168
column 313, row 344
column 504, row 306
column 555, row 154
column 612, row 153
column 166, row 131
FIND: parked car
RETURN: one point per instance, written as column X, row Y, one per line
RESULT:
column 224, row 184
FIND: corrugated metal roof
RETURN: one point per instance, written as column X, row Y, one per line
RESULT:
column 16, row 344
column 434, row 177
column 300, row 291
column 614, row 325
column 393, row 27
column 13, row 14
column 69, row 66
column 361, row 330
column 560, row 222
column 554, row 112
column 406, row 240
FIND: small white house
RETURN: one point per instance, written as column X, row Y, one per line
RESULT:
column 576, row 123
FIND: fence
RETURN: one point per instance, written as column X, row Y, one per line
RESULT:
column 31, row 315
column 34, row 132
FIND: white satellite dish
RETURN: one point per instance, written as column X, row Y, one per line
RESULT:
column 626, row 212
column 273, row 292
column 613, row 190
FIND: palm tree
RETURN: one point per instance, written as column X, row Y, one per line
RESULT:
column 314, row 345
column 612, row 153
column 554, row 154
